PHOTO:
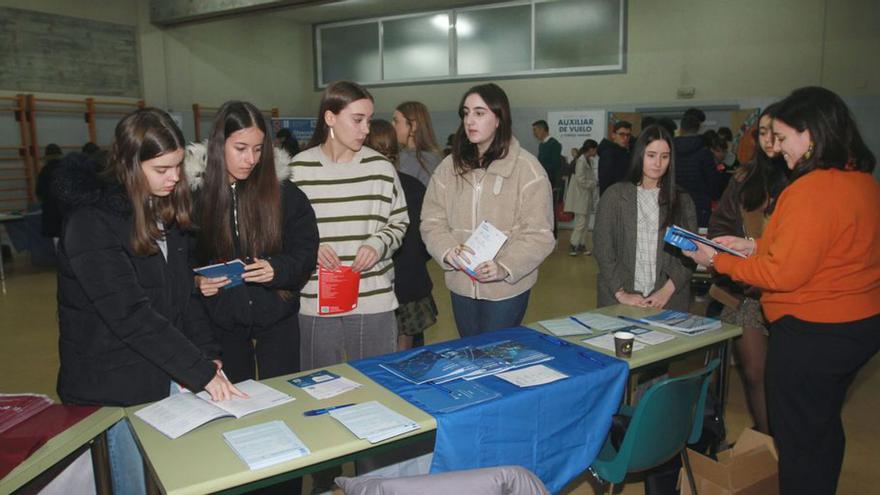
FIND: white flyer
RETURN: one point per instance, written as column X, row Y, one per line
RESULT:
column 485, row 241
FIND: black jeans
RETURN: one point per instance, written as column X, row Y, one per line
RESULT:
column 275, row 350
column 810, row 366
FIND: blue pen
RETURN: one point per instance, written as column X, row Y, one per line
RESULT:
column 554, row 340
column 579, row 322
column 325, row 410
column 587, row 355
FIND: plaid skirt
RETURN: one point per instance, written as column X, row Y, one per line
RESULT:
column 748, row 315
column 414, row 317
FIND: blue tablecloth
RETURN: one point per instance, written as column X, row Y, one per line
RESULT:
column 555, row 430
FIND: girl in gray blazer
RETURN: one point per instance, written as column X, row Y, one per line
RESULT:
column 635, row 266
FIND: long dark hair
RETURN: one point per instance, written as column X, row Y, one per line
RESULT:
column 140, row 136
column 668, row 193
column 765, row 177
column 465, row 155
column 258, row 197
column 837, row 142
column 335, row 98
column 415, row 112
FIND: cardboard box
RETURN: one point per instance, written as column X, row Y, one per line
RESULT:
column 749, row 468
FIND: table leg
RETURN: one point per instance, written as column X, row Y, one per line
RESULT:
column 101, row 465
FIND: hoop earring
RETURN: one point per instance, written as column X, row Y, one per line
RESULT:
column 809, row 153
column 332, row 136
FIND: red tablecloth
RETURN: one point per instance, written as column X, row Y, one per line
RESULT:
column 22, row 440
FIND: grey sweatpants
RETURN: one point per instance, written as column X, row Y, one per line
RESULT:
column 336, row 339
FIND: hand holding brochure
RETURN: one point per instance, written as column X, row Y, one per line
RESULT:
column 233, row 270
column 485, row 241
column 265, row 444
column 685, row 239
column 184, row 412
column 337, row 290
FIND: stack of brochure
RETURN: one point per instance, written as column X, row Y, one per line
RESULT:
column 265, row 444
column 684, row 323
column 582, row 324
column 643, row 337
column 425, row 365
column 373, row 421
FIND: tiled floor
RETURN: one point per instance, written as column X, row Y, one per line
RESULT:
column 29, row 360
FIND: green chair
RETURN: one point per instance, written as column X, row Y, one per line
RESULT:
column 668, row 417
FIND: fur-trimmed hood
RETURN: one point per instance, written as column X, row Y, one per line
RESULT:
column 196, row 161
column 78, row 182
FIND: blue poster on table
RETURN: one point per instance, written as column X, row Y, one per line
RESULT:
column 301, row 127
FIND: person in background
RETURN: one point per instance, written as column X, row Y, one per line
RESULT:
column 362, row 218
column 743, row 211
column 695, row 167
column 419, row 153
column 247, row 210
column 90, row 149
column 488, row 174
column 636, row 267
column 614, row 155
column 124, row 283
column 579, row 196
column 50, row 220
column 818, row 267
column 412, row 283
column 550, row 157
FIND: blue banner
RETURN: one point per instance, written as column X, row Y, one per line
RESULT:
column 301, row 127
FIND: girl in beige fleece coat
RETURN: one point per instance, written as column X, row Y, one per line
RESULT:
column 488, row 177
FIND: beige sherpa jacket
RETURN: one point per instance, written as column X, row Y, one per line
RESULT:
column 513, row 194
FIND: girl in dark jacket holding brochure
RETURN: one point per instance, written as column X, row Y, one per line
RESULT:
column 488, row 177
column 124, row 284
column 247, row 210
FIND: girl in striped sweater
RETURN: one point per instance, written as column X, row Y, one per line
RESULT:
column 362, row 217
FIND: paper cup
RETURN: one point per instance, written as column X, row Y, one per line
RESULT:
column 623, row 344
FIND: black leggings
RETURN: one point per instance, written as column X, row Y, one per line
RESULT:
column 810, row 366
column 275, row 350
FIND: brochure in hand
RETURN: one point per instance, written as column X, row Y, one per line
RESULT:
column 485, row 241
column 184, row 412
column 337, row 290
column 685, row 240
column 681, row 322
column 233, row 270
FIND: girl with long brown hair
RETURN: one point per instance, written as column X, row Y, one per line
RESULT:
column 246, row 209
column 419, row 153
column 124, row 284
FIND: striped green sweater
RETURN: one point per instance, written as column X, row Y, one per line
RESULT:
column 356, row 203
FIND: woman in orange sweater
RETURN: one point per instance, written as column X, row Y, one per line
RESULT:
column 818, row 264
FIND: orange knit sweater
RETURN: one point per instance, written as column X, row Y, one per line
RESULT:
column 819, row 257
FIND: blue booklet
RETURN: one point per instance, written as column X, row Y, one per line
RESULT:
column 233, row 270
column 451, row 396
column 315, row 378
column 681, row 322
column 515, row 354
column 423, row 366
column 686, row 241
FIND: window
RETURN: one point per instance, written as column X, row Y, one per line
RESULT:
column 521, row 38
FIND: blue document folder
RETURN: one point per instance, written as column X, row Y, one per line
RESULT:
column 233, row 270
